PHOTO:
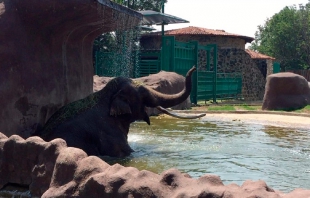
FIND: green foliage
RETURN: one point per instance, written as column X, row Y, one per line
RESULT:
column 286, row 36
column 307, row 107
column 142, row 4
column 118, row 1
column 249, row 108
column 104, row 42
column 222, row 108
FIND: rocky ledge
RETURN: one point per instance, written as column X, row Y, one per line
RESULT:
column 51, row 169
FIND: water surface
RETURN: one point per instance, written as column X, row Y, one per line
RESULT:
column 233, row 150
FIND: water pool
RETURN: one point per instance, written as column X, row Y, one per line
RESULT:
column 233, row 150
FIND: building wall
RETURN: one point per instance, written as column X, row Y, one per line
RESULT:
column 221, row 41
column 262, row 66
column 237, row 60
column 231, row 58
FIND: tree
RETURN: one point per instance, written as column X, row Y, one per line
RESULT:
column 286, row 36
column 142, row 4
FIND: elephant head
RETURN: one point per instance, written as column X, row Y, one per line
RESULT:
column 147, row 97
column 99, row 123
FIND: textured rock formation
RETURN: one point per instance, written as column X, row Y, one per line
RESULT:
column 46, row 55
column 51, row 169
column 286, row 91
column 164, row 82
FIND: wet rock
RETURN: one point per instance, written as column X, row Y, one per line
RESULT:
column 43, row 170
column 51, row 169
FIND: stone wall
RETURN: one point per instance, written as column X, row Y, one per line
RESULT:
column 262, row 66
column 237, row 60
column 265, row 66
column 224, row 42
column 269, row 67
column 231, row 58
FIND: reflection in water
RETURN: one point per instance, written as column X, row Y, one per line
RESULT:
column 235, row 151
column 294, row 136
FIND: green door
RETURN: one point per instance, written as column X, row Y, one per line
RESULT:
column 276, row 67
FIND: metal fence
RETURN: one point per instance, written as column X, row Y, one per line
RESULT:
column 179, row 57
column 149, row 63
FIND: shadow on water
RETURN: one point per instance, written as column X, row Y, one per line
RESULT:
column 233, row 150
column 15, row 190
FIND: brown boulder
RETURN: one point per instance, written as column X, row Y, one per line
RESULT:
column 42, row 172
column 18, row 159
column 286, row 91
column 28, row 162
column 52, row 169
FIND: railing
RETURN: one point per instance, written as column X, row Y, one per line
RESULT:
column 149, row 63
column 205, row 85
column 229, row 85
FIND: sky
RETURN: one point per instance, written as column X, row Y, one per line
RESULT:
column 234, row 16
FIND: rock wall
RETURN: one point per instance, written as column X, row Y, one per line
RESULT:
column 51, row 169
column 253, row 81
column 154, row 42
column 46, row 56
column 262, row 66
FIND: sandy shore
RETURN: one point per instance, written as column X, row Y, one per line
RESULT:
column 291, row 120
column 266, row 119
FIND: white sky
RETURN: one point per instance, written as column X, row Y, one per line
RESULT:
column 234, row 16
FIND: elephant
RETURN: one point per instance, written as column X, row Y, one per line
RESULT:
column 99, row 124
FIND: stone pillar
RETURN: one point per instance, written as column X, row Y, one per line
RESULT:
column 269, row 67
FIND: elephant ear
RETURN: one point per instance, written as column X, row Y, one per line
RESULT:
column 119, row 105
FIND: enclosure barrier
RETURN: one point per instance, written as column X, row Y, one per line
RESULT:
column 179, row 57
column 149, row 63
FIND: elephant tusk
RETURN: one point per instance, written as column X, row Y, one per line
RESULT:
column 179, row 116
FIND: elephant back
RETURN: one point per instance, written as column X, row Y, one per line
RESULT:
column 69, row 111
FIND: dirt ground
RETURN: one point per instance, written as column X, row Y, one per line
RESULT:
column 297, row 119
column 291, row 121
column 272, row 118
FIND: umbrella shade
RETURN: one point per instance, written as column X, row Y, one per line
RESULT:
column 151, row 17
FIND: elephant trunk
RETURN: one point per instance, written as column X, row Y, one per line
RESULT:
column 154, row 98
